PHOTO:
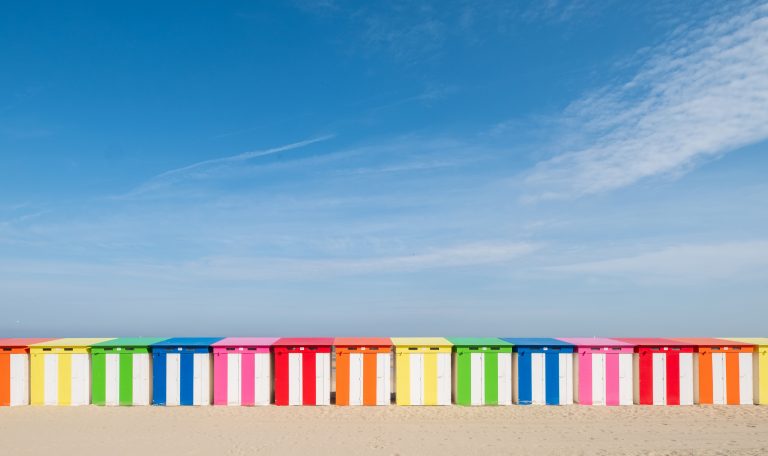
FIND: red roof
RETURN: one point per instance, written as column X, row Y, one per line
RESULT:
column 317, row 341
column 362, row 341
column 653, row 342
column 22, row 342
column 711, row 342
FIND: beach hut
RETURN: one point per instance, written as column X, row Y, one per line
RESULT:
column 181, row 371
column 723, row 371
column 602, row 371
column 482, row 371
column 363, row 370
column 759, row 367
column 423, row 367
column 542, row 371
column 242, row 371
column 14, row 370
column 120, row 371
column 60, row 371
column 663, row 371
column 303, row 371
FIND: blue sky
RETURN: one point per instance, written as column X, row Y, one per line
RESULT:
column 394, row 168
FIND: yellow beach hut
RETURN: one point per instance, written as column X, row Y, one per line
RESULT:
column 423, row 366
column 759, row 367
column 60, row 371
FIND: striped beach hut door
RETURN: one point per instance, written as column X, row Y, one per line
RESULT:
column 444, row 378
column 477, row 380
column 746, row 389
column 598, row 379
column 234, row 375
column 504, row 375
column 322, row 378
column 19, row 379
column 417, row 378
column 51, row 381
column 565, row 378
column 686, row 379
column 355, row 379
column 659, row 361
column 295, row 379
column 112, row 379
column 383, row 380
column 719, row 387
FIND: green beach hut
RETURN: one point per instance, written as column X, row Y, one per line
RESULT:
column 482, row 371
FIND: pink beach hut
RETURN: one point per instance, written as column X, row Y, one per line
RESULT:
column 602, row 371
column 242, row 371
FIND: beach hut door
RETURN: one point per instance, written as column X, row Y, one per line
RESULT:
column 356, row 379
column 477, row 380
column 417, row 379
column 294, row 379
column 19, row 380
column 383, row 373
column 538, row 379
column 598, row 379
column 323, row 379
column 686, row 378
column 718, row 378
column 234, row 376
column 745, row 378
column 112, row 374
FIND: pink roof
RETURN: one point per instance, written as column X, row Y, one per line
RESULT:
column 652, row 342
column 245, row 342
column 594, row 342
column 711, row 342
column 362, row 341
column 319, row 341
column 22, row 342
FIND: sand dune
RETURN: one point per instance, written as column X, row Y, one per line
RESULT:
column 576, row 430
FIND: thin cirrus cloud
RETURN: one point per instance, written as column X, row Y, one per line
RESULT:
column 701, row 96
column 729, row 260
column 205, row 168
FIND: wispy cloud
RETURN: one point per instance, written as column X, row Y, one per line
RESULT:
column 700, row 96
column 682, row 263
column 203, row 168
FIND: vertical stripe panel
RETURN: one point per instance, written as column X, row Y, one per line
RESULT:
column 732, row 378
column 295, row 379
column 566, row 378
column 718, row 379
column 173, row 379
column 309, row 380
column 538, row 378
column 247, row 378
column 262, row 379
column 491, row 364
column 706, row 377
column 5, row 379
column 505, row 378
column 187, row 379
column 444, row 379
column 525, row 377
column 220, row 367
column 323, row 378
column 282, row 377
column 762, row 369
column 402, row 379
column 112, row 376
column 371, row 384
column 417, row 379
column 65, row 379
column 140, row 381
column 673, row 377
column 51, row 389
column 430, row 379
column 126, row 378
column 342, row 378
column 686, row 378
column 463, row 377
column 19, row 379
column 476, row 379
column 659, row 378
column 646, row 377
column 598, row 379
column 98, row 378
column 158, row 378
column 612, row 379
column 745, row 378
column 81, row 379
column 234, row 379
column 552, row 373
column 585, row 378
column 355, row 378
column 37, row 379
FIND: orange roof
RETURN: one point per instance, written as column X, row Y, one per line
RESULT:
column 710, row 342
column 362, row 341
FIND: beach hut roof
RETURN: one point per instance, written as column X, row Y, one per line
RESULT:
column 750, row 340
column 130, row 342
column 188, row 342
column 711, row 341
column 362, row 341
column 21, row 342
column 594, row 342
column 319, row 341
column 421, row 341
column 245, row 342
column 537, row 342
column 477, row 341
column 72, row 342
column 653, row 342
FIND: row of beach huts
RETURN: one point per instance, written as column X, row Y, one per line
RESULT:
column 427, row 371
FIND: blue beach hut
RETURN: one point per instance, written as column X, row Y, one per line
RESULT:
column 542, row 371
column 181, row 371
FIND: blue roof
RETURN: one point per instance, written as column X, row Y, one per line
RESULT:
column 188, row 342
column 536, row 341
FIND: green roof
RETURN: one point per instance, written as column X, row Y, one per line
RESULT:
column 477, row 342
column 131, row 342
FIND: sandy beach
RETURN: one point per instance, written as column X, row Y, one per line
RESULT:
column 568, row 430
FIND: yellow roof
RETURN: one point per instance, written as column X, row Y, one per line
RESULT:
column 72, row 342
column 750, row 340
column 420, row 341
